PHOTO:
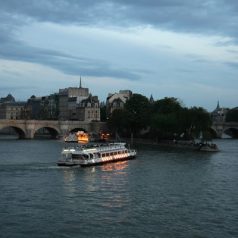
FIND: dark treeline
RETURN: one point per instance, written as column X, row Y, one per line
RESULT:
column 162, row 119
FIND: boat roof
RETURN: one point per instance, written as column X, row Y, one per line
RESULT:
column 101, row 147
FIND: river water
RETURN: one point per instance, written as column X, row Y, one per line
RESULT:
column 162, row 193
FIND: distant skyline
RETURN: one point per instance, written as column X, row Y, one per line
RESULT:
column 168, row 48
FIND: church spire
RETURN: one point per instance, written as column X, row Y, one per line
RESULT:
column 151, row 99
column 80, row 83
column 218, row 105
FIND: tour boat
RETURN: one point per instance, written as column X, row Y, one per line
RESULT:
column 95, row 154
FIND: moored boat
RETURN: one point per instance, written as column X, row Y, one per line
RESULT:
column 208, row 147
column 191, row 145
column 95, row 154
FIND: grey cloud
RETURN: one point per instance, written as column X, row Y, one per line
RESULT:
column 51, row 10
column 68, row 64
column 200, row 16
column 233, row 64
column 14, row 14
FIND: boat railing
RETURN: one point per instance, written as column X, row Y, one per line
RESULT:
column 98, row 148
column 107, row 147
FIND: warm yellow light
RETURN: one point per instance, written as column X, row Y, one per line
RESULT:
column 105, row 136
column 82, row 137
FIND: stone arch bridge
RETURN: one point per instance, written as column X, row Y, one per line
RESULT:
column 27, row 128
column 226, row 128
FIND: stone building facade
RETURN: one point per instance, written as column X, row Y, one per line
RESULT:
column 73, row 103
column 78, row 104
column 117, row 100
column 219, row 114
column 10, row 109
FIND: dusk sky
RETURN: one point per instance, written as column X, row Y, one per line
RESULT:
column 186, row 49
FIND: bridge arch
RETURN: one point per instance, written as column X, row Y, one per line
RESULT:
column 231, row 131
column 225, row 129
column 18, row 130
column 75, row 128
column 51, row 131
column 28, row 128
column 78, row 129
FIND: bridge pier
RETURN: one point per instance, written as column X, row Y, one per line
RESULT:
column 218, row 128
column 29, row 132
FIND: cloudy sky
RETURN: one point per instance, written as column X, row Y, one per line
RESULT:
column 186, row 49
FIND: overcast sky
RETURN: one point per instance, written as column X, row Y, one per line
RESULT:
column 186, row 49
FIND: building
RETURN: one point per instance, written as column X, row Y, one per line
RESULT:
column 12, row 110
column 219, row 114
column 78, row 104
column 69, row 104
column 117, row 100
column 89, row 109
column 8, row 99
column 34, row 105
column 43, row 108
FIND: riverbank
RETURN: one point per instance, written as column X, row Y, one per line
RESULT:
column 181, row 144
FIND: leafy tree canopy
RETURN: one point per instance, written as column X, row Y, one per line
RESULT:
column 165, row 118
column 232, row 115
column 138, row 112
column 166, row 105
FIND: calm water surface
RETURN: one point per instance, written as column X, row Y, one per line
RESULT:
column 163, row 193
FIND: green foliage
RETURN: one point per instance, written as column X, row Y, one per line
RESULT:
column 166, row 105
column 169, row 119
column 117, row 121
column 166, row 118
column 103, row 113
column 232, row 115
column 137, row 113
column 164, row 124
column 200, row 120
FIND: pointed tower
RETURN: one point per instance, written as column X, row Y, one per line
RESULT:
column 151, row 99
column 218, row 106
column 80, row 83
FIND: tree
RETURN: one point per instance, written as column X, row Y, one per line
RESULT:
column 117, row 121
column 169, row 119
column 165, row 118
column 199, row 120
column 164, row 125
column 166, row 105
column 103, row 113
column 232, row 115
column 137, row 113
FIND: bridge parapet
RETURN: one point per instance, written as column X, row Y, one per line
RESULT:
column 28, row 128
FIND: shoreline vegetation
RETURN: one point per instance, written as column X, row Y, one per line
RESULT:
column 159, row 121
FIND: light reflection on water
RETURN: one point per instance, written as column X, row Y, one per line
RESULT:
column 117, row 166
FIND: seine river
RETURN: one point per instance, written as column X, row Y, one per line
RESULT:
column 163, row 193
